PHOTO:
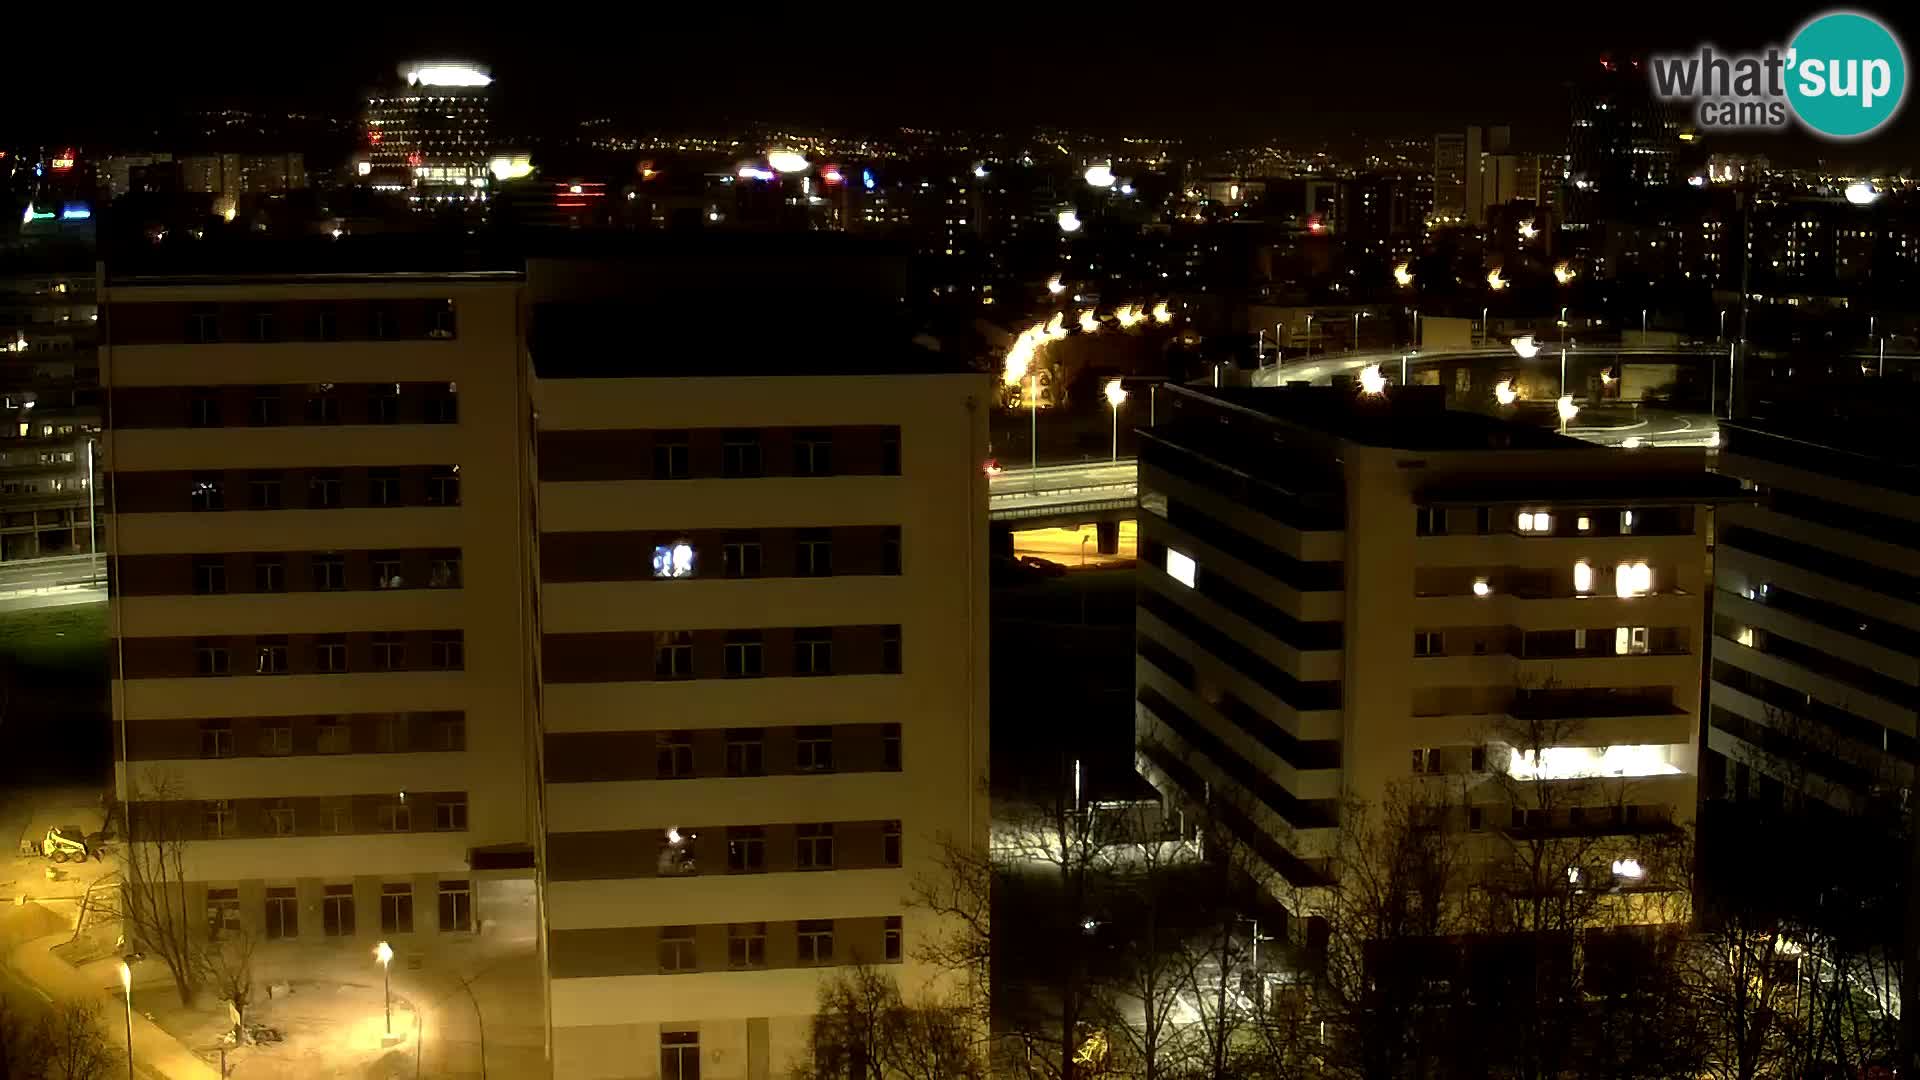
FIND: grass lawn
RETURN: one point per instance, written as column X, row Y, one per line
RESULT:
column 55, row 645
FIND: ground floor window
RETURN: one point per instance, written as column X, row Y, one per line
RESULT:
column 679, row 1055
column 336, row 911
column 456, row 905
column 396, row 909
column 223, row 911
column 283, row 912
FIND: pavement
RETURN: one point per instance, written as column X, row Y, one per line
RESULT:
column 53, row 582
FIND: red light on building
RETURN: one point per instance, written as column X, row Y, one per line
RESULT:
column 831, row 174
column 1313, row 224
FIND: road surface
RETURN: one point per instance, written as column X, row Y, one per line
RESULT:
column 67, row 579
column 1025, row 492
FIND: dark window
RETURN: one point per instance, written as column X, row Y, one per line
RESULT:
column 396, row 909
column 813, row 453
column 263, row 491
column 280, row 815
column 814, row 846
column 456, row 899
column 205, row 409
column 892, row 942
column 209, row 657
column 216, row 738
column 813, row 553
column 890, row 550
column 448, row 650
column 679, row 1055
column 381, row 324
column 329, row 573
column 450, row 815
column 890, row 452
column 674, row 755
column 450, row 732
column 443, row 572
column 263, row 325
column 440, row 319
column 333, row 737
column 390, row 733
column 208, row 491
column 323, row 406
column 746, row 849
column 223, row 905
column 671, row 456
column 209, row 575
column 746, row 752
column 270, row 655
column 336, row 911
column 325, row 490
column 747, row 945
column 890, row 747
column 816, row 941
column 1483, row 520
column 386, row 570
column 389, row 651
column 890, row 650
column 743, row 654
column 396, row 816
column 813, row 651
column 443, row 485
column 217, row 817
column 813, row 749
column 676, row 949
column 266, row 408
column 890, row 844
column 740, row 454
column 1430, row 521
column 203, row 326
column 1429, row 643
column 330, row 653
column 443, row 405
column 323, row 324
column 740, row 557
column 383, row 404
column 673, row 654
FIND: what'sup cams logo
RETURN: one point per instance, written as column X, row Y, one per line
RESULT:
column 1843, row 76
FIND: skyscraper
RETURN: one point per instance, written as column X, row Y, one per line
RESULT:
column 432, row 133
column 1621, row 147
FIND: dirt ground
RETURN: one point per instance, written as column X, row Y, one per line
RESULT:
column 330, row 1029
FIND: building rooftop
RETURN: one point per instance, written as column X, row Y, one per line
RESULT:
column 217, row 259
column 1402, row 418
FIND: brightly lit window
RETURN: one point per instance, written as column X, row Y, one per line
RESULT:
column 1180, row 567
column 673, row 560
column 1630, row 641
column 1583, row 577
column 1626, row 521
column 1481, row 587
column 1535, row 521
column 1587, row 762
column 1584, row 523
column 1632, row 579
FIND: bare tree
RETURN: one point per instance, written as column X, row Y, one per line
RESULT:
column 21, row 1055
column 1149, row 879
column 155, row 902
column 227, row 963
column 863, row 1029
column 73, row 1044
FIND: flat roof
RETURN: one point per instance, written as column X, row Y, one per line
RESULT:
column 309, row 259
column 1401, row 418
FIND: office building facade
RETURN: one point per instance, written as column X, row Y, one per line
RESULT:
column 432, row 133
column 1396, row 594
column 49, row 369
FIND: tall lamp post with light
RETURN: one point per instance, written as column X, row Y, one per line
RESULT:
column 126, row 987
column 383, row 952
column 1116, row 394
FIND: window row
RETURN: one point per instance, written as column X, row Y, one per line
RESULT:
column 667, row 950
column 292, row 654
column 176, row 323
column 279, row 736
column 337, row 916
column 720, row 553
column 1552, row 644
column 316, row 815
column 743, row 751
column 690, row 850
column 671, row 655
column 286, row 489
column 1582, row 577
column 287, row 404
column 1545, row 521
column 286, row 571
column 711, row 453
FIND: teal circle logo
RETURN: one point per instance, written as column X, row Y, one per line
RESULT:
column 1847, row 75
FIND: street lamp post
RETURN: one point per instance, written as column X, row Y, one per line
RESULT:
column 1883, row 358
column 1485, row 330
column 1033, row 440
column 1356, row 331
column 1115, row 395
column 384, row 953
column 1723, row 324
column 1309, row 333
column 1643, row 328
column 126, row 985
column 1563, row 371
column 93, row 500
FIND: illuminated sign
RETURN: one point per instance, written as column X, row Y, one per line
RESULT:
column 75, row 212
column 63, row 160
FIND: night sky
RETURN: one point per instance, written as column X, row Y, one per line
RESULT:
column 1103, row 66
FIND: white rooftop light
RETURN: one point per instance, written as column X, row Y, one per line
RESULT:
column 448, row 75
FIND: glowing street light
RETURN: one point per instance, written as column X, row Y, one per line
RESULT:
column 1373, row 382
column 1504, row 393
column 1568, row 410
column 1161, row 314
column 1402, row 275
column 1527, row 231
column 383, row 952
column 787, row 161
column 1861, row 193
column 1100, row 176
column 1069, row 221
column 1054, row 285
column 1089, row 324
column 126, row 986
column 1495, row 281
column 1564, row 273
column 1128, row 315
column 1524, row 345
column 1116, row 394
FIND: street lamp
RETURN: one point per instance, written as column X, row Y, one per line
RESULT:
column 1309, row 333
column 383, row 952
column 1115, row 395
column 1643, row 328
column 1568, row 410
column 126, row 985
column 1483, row 327
column 1723, row 324
column 1033, row 384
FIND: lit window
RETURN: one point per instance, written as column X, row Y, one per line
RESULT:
column 1481, row 588
column 1585, row 762
column 1630, row 641
column 1585, row 523
column 1629, row 869
column 1744, row 636
column 1583, row 576
column 1180, row 567
column 1535, row 521
column 673, row 560
column 1632, row 579
column 1626, row 521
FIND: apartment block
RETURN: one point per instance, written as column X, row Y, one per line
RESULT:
column 319, row 624
column 763, row 673
column 1816, row 616
column 1341, row 593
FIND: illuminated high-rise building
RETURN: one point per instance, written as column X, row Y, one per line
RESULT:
column 432, row 134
